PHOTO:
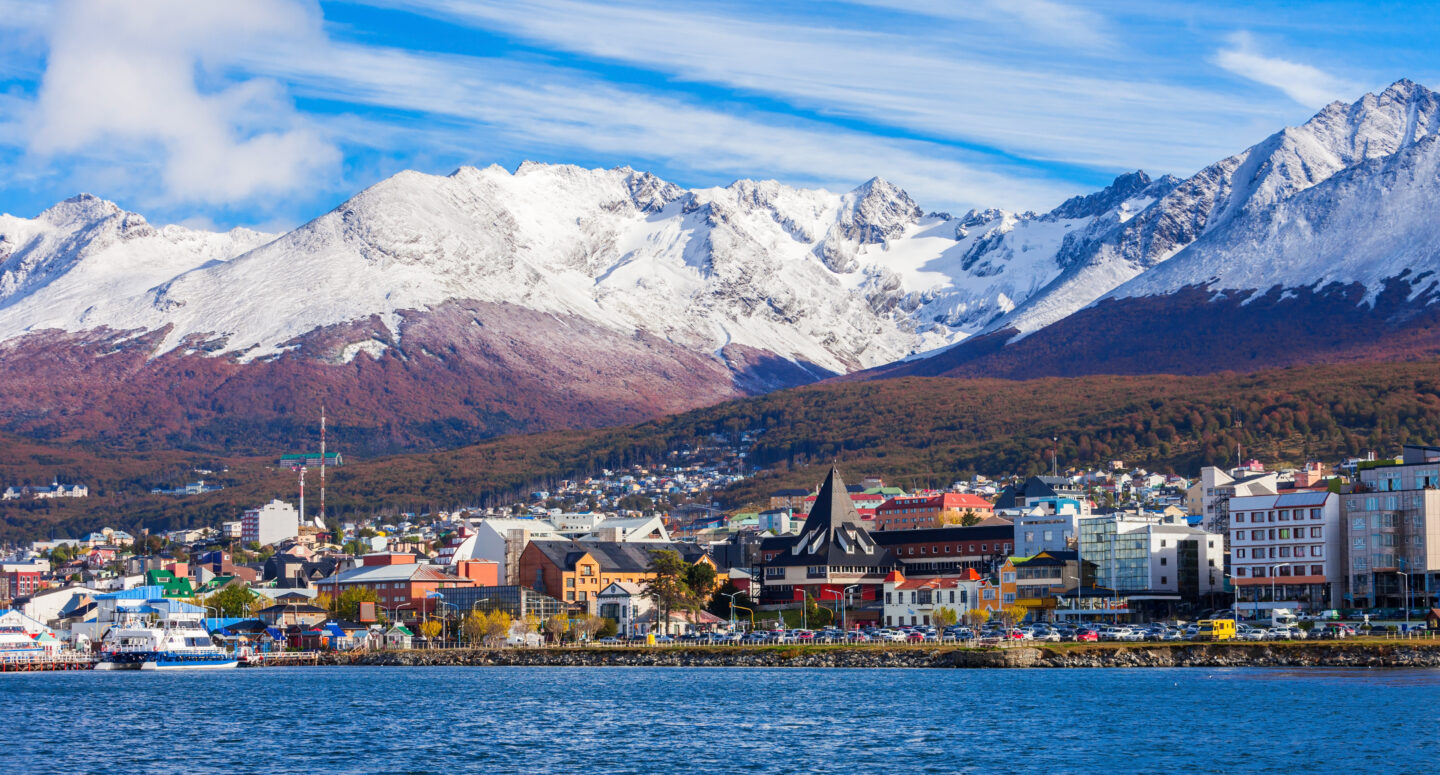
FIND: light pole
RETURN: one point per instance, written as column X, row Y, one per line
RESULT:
column 731, row 595
column 1405, row 601
column 844, row 604
column 1273, row 577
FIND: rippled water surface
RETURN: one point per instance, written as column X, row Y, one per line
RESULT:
column 655, row 720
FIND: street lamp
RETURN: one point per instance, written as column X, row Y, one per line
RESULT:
column 1405, row 601
column 844, row 601
column 1273, row 569
column 732, row 595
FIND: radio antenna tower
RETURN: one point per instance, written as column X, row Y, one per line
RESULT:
column 322, row 462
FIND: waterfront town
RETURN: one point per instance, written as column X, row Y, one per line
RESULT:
column 1115, row 553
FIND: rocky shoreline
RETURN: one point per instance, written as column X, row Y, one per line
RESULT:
column 1397, row 654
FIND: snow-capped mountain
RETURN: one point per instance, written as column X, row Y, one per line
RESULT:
column 831, row 283
column 490, row 301
column 611, row 287
column 1336, row 202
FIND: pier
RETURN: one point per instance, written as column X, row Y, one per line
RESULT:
column 31, row 663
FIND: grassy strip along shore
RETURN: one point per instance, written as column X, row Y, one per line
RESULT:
column 1358, row 653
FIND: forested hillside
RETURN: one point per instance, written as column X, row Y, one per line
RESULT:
column 914, row 431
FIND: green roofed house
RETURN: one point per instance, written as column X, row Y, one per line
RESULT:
column 398, row 637
column 169, row 584
column 310, row 459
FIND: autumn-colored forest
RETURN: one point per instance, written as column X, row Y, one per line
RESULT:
column 913, row 431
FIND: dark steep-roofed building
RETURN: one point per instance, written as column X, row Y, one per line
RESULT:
column 833, row 551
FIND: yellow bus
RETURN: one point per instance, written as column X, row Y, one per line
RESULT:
column 1216, row 629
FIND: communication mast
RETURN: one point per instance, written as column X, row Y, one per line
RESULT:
column 322, row 462
column 302, row 493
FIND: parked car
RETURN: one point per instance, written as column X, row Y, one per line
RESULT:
column 1086, row 636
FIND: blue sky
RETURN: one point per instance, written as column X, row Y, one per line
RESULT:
column 269, row 112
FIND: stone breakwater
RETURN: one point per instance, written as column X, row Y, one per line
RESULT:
column 1191, row 655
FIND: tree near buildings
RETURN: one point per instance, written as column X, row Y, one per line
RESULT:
column 430, row 628
column 232, row 600
column 667, row 588
column 944, row 617
column 977, row 616
column 556, row 627
column 472, row 626
column 497, row 628
column 1014, row 614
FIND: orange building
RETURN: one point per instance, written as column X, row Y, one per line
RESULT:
column 576, row 571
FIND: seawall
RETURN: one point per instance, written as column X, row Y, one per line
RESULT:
column 1329, row 654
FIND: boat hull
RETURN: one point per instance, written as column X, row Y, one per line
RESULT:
column 173, row 665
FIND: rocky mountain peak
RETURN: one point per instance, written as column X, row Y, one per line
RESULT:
column 1126, row 186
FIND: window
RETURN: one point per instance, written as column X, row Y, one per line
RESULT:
column 587, row 570
column 1315, row 533
column 1284, row 551
column 1164, row 561
column 1317, row 570
column 887, row 598
column 1240, row 516
column 1164, row 580
column 1357, row 523
column 570, row 596
column 1162, row 543
column 983, row 548
column 1317, row 551
column 570, row 583
column 1359, row 543
column 583, row 596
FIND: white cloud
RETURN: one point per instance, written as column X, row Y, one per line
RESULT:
column 539, row 108
column 969, row 83
column 153, row 79
column 1305, row 84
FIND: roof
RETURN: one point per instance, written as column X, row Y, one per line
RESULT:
column 613, row 556
column 299, row 608
column 1310, row 498
column 368, row 574
column 832, row 533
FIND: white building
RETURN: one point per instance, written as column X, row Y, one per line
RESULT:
column 630, row 530
column 502, row 540
column 915, row 601
column 1216, row 488
column 1041, row 530
column 1286, row 551
column 1135, row 553
column 272, row 523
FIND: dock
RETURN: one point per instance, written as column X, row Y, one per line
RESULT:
column 33, row 663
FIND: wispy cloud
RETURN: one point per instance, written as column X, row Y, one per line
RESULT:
column 126, row 77
column 939, row 88
column 1306, row 84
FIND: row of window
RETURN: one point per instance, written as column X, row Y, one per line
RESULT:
column 948, row 548
column 1281, row 534
column 1273, row 552
column 928, row 597
column 1282, row 571
column 605, row 582
column 1271, row 516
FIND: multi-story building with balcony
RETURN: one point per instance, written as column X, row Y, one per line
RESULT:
column 1393, row 531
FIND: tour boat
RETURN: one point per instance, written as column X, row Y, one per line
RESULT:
column 161, row 635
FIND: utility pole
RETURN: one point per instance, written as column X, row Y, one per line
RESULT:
column 322, row 462
column 302, row 494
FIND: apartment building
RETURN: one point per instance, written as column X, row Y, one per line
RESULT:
column 1287, row 551
column 1392, row 522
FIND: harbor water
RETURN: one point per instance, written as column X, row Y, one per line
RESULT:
column 659, row 720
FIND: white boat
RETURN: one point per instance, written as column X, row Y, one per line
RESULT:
column 160, row 635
